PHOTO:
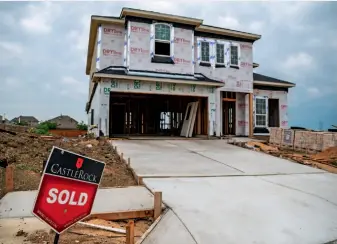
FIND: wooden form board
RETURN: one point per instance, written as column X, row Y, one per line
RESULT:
column 189, row 119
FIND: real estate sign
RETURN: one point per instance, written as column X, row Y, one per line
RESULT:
column 67, row 189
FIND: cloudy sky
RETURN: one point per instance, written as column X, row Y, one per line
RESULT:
column 43, row 48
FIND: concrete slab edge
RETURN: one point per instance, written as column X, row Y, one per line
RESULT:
column 128, row 164
column 227, row 175
column 149, row 230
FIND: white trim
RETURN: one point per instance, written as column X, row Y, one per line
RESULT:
column 162, row 93
column 267, row 83
column 266, row 114
column 167, row 80
column 230, row 60
column 216, row 54
column 209, row 52
column 170, row 41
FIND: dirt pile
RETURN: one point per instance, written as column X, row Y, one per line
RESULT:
column 26, row 152
column 330, row 153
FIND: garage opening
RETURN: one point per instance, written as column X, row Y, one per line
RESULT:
column 274, row 113
column 149, row 114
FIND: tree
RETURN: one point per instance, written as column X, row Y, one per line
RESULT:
column 82, row 126
column 44, row 127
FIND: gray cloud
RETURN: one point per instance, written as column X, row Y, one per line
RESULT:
column 43, row 51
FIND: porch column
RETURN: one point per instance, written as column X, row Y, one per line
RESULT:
column 250, row 100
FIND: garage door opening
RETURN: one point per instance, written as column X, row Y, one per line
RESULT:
column 149, row 114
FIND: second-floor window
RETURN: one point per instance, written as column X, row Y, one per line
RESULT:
column 162, row 38
column 205, row 52
column 220, row 53
column 234, row 55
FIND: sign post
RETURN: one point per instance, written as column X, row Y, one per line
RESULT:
column 67, row 189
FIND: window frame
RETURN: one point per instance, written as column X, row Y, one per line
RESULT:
column 209, row 49
column 238, row 54
column 216, row 53
column 160, row 40
column 260, row 114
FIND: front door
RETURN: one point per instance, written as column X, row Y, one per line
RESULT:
column 117, row 119
column 228, row 117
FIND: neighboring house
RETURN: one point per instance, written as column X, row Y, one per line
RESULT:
column 29, row 120
column 64, row 122
column 145, row 68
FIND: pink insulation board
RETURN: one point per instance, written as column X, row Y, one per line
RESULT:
column 140, row 57
column 242, row 120
column 234, row 79
column 112, row 46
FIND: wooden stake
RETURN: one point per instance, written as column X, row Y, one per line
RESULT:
column 140, row 180
column 250, row 101
column 129, row 163
column 130, row 232
column 9, row 178
column 157, row 204
column 122, row 156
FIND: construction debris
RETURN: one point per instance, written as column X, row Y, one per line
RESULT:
column 326, row 160
column 89, row 235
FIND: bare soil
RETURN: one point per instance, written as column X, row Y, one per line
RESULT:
column 88, row 235
column 26, row 152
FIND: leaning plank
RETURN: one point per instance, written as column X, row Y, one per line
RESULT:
column 124, row 215
column 193, row 116
column 102, row 227
column 187, row 120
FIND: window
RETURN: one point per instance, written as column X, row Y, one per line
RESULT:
column 260, row 112
column 205, row 52
column 162, row 39
column 220, row 53
column 234, row 55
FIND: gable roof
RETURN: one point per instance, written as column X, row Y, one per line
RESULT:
column 159, row 16
column 25, row 118
column 270, row 81
column 64, row 122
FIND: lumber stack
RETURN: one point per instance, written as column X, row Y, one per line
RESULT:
column 275, row 136
column 287, row 138
column 301, row 140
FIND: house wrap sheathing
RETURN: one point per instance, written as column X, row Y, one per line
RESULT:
column 124, row 61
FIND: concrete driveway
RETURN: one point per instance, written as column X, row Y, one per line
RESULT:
column 225, row 194
column 177, row 158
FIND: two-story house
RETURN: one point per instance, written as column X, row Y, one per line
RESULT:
column 146, row 68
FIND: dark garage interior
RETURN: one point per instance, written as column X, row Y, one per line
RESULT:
column 153, row 114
